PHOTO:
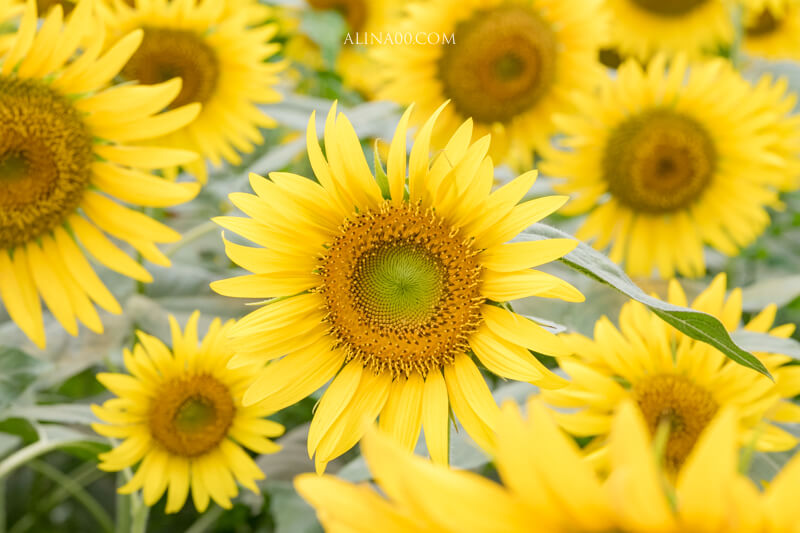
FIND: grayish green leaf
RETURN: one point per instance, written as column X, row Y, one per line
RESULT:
column 18, row 371
column 762, row 342
column 291, row 513
column 779, row 291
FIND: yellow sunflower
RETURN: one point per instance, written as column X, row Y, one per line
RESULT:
column 547, row 487
column 64, row 150
column 642, row 28
column 508, row 65
column 389, row 286
column 222, row 62
column 677, row 380
column 772, row 30
column 180, row 413
column 665, row 166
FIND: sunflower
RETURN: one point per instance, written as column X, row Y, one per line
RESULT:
column 64, row 146
column 546, row 486
column 665, row 166
column 221, row 59
column 389, row 285
column 180, row 413
column 508, row 65
column 676, row 380
column 642, row 28
column 772, row 30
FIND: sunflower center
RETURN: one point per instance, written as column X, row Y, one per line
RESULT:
column 686, row 407
column 763, row 24
column 669, row 8
column 398, row 283
column 192, row 415
column 401, row 288
column 165, row 54
column 501, row 65
column 658, row 161
column 45, row 160
column 353, row 11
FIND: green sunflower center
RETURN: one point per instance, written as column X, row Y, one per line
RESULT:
column 45, row 160
column 165, row 54
column 192, row 415
column 353, row 11
column 401, row 289
column 399, row 283
column 669, row 8
column 502, row 63
column 686, row 407
column 658, row 161
column 764, row 24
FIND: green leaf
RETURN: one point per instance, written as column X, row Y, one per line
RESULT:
column 327, row 29
column 17, row 371
column 696, row 324
column 292, row 514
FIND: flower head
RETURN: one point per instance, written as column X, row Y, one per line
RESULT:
column 181, row 418
column 67, row 146
column 390, row 286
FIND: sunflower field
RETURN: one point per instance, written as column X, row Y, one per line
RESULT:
column 389, row 266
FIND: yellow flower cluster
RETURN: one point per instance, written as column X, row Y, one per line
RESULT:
column 387, row 287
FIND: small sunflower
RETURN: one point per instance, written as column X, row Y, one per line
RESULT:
column 221, row 59
column 180, row 413
column 548, row 487
column 643, row 28
column 677, row 380
column 389, row 286
column 665, row 166
column 772, row 30
column 508, row 65
column 64, row 149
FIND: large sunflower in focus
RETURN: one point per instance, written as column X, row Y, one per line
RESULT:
column 221, row 60
column 664, row 166
column 772, row 29
column 642, row 28
column 677, row 381
column 389, row 286
column 547, row 487
column 181, row 418
column 64, row 152
column 512, row 65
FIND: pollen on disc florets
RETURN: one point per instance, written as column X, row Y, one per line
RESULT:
column 401, row 289
column 45, row 160
column 503, row 63
column 167, row 53
column 677, row 401
column 191, row 415
column 658, row 161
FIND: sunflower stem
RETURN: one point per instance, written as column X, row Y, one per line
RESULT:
column 192, row 235
column 140, row 513
column 76, row 491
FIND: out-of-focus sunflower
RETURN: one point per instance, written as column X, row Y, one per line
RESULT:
column 64, row 151
column 180, row 413
column 512, row 65
column 547, row 486
column 772, row 29
column 676, row 380
column 665, row 166
column 221, row 59
column 387, row 285
column 643, row 28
